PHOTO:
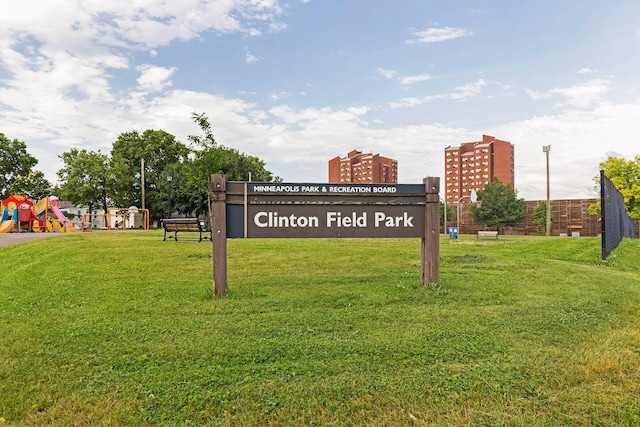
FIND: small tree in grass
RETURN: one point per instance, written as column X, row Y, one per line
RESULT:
column 499, row 206
column 540, row 216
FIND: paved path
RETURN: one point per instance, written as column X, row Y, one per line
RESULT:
column 8, row 239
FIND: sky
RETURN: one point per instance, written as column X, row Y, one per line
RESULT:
column 298, row 82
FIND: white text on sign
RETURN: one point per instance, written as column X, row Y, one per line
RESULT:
column 272, row 219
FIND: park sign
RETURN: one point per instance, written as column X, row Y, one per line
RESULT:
column 275, row 210
column 311, row 210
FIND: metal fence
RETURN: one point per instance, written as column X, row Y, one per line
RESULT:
column 616, row 223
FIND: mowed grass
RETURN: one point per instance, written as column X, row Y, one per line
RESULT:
column 121, row 328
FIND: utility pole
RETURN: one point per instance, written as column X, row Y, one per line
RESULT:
column 546, row 149
column 142, row 181
column 169, row 179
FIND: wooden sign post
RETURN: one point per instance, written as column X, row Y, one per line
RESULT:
column 293, row 210
column 218, row 223
column 430, row 247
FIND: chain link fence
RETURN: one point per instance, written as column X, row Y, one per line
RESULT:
column 616, row 223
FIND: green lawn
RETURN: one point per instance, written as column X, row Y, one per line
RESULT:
column 121, row 329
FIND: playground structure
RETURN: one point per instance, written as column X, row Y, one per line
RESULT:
column 117, row 219
column 19, row 214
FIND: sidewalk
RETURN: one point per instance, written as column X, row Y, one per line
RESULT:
column 9, row 239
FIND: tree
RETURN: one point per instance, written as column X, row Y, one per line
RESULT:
column 86, row 178
column 162, row 154
column 499, row 206
column 14, row 162
column 192, row 189
column 625, row 176
column 224, row 160
column 34, row 185
column 540, row 216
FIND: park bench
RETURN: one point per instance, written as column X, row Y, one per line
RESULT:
column 189, row 225
column 487, row 233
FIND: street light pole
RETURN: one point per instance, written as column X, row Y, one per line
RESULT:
column 142, row 183
column 169, row 179
column 445, row 215
column 546, row 149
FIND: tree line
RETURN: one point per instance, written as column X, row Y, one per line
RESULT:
column 98, row 180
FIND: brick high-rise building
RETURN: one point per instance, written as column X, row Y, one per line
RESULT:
column 472, row 165
column 363, row 168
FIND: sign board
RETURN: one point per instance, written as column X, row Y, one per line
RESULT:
column 274, row 210
column 309, row 210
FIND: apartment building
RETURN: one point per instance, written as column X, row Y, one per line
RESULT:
column 363, row 168
column 472, row 165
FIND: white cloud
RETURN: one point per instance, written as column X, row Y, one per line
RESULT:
column 468, row 90
column 102, row 33
column 411, row 102
column 250, row 59
column 276, row 27
column 134, row 24
column 460, row 93
column 154, row 79
column 404, row 80
column 535, row 95
column 358, row 111
column 386, row 73
column 278, row 96
column 409, row 80
column 58, row 59
column 297, row 142
column 579, row 141
column 435, row 35
column 579, row 95
column 73, row 81
column 584, row 94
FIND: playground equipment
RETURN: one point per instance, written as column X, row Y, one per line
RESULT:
column 117, row 219
column 19, row 214
column 9, row 219
column 56, row 220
